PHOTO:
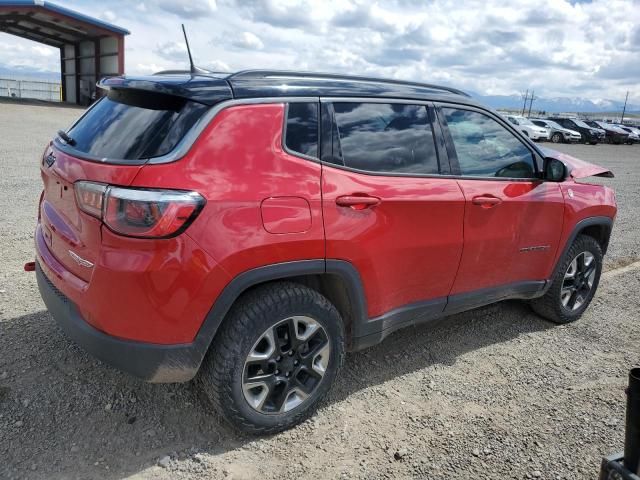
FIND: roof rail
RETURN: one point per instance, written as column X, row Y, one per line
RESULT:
column 248, row 74
column 188, row 72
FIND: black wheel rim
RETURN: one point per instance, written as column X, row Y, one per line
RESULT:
column 286, row 365
column 578, row 281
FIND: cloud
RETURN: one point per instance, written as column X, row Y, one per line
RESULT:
column 250, row 41
column 557, row 47
column 172, row 51
column 108, row 15
column 278, row 14
column 191, row 9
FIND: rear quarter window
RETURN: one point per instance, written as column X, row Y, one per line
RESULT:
column 301, row 135
column 134, row 125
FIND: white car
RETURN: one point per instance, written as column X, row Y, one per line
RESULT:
column 558, row 133
column 526, row 126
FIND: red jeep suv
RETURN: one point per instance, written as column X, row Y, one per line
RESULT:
column 254, row 226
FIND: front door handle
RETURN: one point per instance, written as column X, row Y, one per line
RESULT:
column 357, row 202
column 486, row 201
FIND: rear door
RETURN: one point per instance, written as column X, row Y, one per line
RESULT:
column 386, row 208
column 512, row 220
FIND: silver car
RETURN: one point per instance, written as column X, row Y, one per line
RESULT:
column 558, row 133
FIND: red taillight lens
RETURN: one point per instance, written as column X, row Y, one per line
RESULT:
column 140, row 213
column 150, row 213
column 90, row 197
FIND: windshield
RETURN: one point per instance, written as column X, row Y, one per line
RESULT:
column 134, row 125
column 525, row 121
column 580, row 123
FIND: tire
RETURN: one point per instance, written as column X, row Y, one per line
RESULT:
column 228, row 369
column 556, row 138
column 551, row 306
column 593, row 143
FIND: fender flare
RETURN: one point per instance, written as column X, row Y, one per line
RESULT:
column 280, row 271
column 601, row 221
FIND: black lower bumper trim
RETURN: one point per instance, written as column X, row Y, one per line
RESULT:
column 147, row 361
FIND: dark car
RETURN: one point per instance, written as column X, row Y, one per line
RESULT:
column 226, row 226
column 590, row 134
column 613, row 134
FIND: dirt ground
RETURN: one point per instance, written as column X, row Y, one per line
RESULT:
column 493, row 393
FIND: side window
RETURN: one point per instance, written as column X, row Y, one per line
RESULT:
column 485, row 148
column 385, row 138
column 302, row 128
column 512, row 120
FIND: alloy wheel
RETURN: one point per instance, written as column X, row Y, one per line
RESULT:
column 578, row 281
column 286, row 365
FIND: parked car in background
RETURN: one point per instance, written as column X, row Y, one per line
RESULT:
column 526, row 126
column 613, row 134
column 589, row 134
column 557, row 133
column 634, row 133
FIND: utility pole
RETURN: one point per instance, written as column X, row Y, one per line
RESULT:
column 533, row 97
column 525, row 97
column 625, row 107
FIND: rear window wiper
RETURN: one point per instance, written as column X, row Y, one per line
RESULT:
column 67, row 139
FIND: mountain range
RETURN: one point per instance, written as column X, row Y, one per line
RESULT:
column 556, row 104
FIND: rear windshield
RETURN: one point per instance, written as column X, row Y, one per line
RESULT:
column 134, row 125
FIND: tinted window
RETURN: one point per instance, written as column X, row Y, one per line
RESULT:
column 485, row 148
column 131, row 125
column 302, row 128
column 382, row 137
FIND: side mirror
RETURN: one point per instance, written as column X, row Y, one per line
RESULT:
column 555, row 170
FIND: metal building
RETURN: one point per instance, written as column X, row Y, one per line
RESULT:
column 89, row 48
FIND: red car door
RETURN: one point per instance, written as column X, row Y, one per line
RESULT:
column 512, row 220
column 386, row 209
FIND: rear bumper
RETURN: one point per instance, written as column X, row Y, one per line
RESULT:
column 147, row 361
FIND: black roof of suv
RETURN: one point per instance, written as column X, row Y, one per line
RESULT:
column 212, row 88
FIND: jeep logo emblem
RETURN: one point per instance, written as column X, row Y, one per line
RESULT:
column 50, row 159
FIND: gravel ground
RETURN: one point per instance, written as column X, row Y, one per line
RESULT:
column 492, row 393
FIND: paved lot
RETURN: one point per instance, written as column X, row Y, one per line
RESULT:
column 493, row 393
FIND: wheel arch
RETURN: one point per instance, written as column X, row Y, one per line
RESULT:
column 597, row 227
column 338, row 280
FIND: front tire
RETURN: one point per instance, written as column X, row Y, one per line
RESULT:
column 275, row 358
column 556, row 138
column 574, row 284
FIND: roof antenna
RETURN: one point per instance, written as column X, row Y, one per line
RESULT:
column 194, row 69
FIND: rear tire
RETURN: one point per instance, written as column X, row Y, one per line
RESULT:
column 259, row 373
column 575, row 282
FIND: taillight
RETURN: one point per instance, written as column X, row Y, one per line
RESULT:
column 90, row 197
column 142, row 213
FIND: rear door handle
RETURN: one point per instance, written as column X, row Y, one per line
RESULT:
column 486, row 201
column 357, row 202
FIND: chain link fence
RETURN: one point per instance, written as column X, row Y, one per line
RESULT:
column 33, row 89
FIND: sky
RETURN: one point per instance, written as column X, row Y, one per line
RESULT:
column 585, row 49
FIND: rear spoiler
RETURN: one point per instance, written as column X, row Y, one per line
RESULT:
column 205, row 89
